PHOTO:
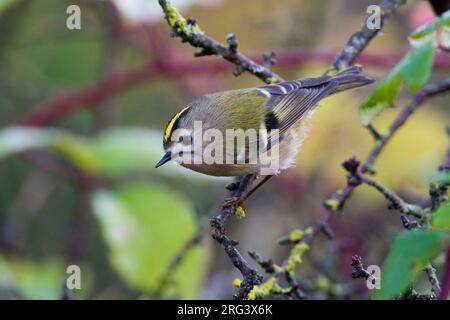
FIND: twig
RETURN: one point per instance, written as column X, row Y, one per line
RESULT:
column 428, row 91
column 374, row 132
column 396, row 202
column 409, row 224
column 357, row 42
column 360, row 271
column 189, row 31
column 356, row 177
column 433, row 279
column 270, row 268
column 188, row 246
column 251, row 277
column 438, row 190
column 360, row 39
column 414, row 295
column 266, row 264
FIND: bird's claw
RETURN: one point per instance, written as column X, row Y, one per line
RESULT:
column 233, row 202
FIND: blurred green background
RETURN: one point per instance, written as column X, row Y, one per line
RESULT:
column 78, row 184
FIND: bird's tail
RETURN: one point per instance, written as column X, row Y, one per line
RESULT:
column 350, row 78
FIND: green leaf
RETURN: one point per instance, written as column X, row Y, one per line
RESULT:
column 442, row 178
column 18, row 139
column 32, row 280
column 441, row 218
column 383, row 95
column 145, row 226
column 414, row 70
column 123, row 150
column 5, row 3
column 409, row 255
column 429, row 28
column 112, row 153
column 416, row 67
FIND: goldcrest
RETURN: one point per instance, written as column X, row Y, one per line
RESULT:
column 206, row 136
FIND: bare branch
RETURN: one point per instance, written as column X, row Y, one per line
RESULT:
column 360, row 271
column 360, row 39
column 433, row 279
column 189, row 31
column 179, row 257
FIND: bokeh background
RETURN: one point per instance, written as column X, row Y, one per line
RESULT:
column 78, row 184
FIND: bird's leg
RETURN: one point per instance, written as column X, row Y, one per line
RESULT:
column 232, row 202
column 236, row 198
column 252, row 190
column 239, row 196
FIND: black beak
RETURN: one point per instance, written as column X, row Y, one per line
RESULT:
column 166, row 158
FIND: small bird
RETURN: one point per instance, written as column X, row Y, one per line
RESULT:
column 285, row 108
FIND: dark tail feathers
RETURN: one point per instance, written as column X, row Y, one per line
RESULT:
column 351, row 77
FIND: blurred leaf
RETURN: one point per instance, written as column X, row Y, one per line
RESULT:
column 441, row 218
column 5, row 3
column 49, row 56
column 442, row 21
column 414, row 70
column 145, row 226
column 409, row 254
column 123, row 150
column 42, row 57
column 149, row 11
column 442, row 178
column 416, row 67
column 112, row 153
column 33, row 280
column 16, row 139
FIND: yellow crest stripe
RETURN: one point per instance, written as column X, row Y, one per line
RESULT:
column 169, row 128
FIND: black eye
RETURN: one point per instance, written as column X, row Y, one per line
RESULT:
column 180, row 153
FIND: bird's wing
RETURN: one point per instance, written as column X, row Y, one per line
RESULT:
column 289, row 101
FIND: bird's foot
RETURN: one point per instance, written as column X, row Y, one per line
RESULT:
column 233, row 202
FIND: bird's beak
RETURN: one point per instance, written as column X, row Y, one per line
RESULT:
column 167, row 157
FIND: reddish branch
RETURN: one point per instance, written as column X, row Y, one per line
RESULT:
column 114, row 84
column 189, row 31
column 64, row 104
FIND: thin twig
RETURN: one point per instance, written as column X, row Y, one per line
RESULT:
column 360, row 39
column 189, row 31
column 176, row 261
column 428, row 91
column 356, row 177
column 433, row 279
column 251, row 276
column 360, row 271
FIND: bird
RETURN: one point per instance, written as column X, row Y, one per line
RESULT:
column 282, row 112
